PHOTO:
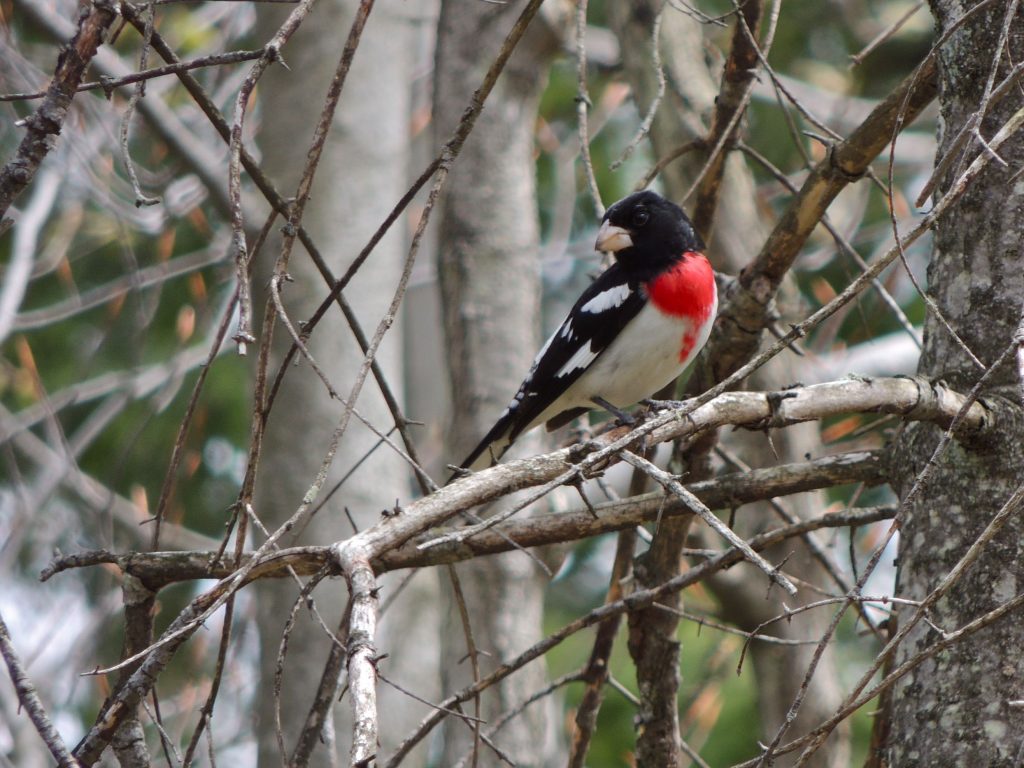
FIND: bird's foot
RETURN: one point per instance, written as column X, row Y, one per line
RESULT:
column 625, row 419
column 656, row 406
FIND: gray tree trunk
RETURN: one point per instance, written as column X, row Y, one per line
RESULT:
column 362, row 174
column 957, row 709
column 489, row 267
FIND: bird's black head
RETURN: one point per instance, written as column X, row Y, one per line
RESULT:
column 645, row 231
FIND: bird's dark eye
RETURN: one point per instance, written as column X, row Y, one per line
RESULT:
column 640, row 217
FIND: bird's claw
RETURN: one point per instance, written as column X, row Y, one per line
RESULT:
column 662, row 405
column 624, row 418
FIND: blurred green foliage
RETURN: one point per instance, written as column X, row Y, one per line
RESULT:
column 99, row 237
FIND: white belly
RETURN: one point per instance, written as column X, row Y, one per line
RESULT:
column 643, row 359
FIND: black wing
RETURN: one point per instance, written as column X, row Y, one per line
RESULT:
column 592, row 324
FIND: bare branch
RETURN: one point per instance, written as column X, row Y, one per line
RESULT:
column 45, row 123
column 885, row 34
column 582, row 107
column 108, row 84
column 159, row 569
column 30, row 701
column 845, row 162
column 914, row 398
column 672, row 485
column 637, row 600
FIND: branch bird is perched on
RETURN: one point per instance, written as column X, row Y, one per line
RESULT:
column 634, row 329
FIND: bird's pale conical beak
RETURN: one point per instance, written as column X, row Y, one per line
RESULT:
column 611, row 238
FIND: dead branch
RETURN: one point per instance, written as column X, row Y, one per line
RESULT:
column 636, row 601
column 694, row 504
column 44, row 125
column 30, row 701
column 743, row 316
column 159, row 569
column 108, row 84
column 737, row 81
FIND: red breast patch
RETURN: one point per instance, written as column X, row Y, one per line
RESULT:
column 686, row 290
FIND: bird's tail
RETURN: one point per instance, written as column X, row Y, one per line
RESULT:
column 493, row 445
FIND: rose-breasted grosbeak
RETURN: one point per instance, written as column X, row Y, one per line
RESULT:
column 634, row 329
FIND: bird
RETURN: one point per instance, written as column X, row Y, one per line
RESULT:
column 632, row 331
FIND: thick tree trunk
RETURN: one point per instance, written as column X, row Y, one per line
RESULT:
column 489, row 267
column 362, row 174
column 962, row 706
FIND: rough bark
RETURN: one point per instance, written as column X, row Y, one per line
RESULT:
column 361, row 175
column 957, row 708
column 488, row 264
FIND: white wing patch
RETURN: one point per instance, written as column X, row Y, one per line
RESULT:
column 566, row 332
column 584, row 356
column 609, row 299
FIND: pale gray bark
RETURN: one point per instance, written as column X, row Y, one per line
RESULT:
column 362, row 174
column 489, row 267
column 956, row 709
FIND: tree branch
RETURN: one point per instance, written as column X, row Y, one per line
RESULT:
column 635, row 601
column 737, row 82
column 743, row 316
column 30, row 701
column 108, row 84
column 46, row 122
column 159, row 569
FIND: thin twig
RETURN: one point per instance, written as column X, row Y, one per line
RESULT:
column 974, row 121
column 43, row 125
column 271, row 53
column 126, row 119
column 30, row 701
column 597, row 671
column 582, row 105
column 635, row 601
column 108, row 84
column 915, row 489
column 844, row 245
column 672, row 485
column 1008, row 510
column 854, row 702
column 652, row 109
column 885, row 34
